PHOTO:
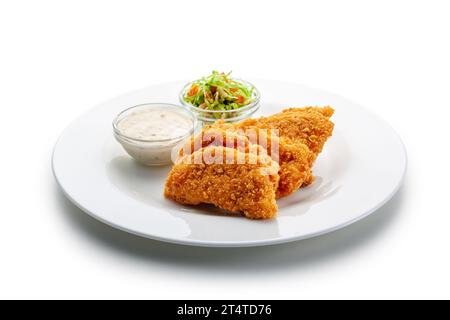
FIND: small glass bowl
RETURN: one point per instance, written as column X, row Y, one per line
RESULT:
column 210, row 116
column 152, row 152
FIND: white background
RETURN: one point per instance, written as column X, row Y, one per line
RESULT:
column 60, row 58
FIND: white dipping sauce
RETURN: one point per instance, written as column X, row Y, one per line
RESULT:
column 155, row 125
column 150, row 134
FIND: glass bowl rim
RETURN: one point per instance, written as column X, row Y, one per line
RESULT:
column 244, row 108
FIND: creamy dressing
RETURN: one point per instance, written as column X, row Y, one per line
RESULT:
column 150, row 133
column 155, row 125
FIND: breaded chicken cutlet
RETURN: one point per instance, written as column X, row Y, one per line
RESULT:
column 247, row 187
column 217, row 136
column 251, row 187
column 294, row 158
column 310, row 125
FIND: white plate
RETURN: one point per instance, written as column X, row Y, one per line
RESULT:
column 360, row 169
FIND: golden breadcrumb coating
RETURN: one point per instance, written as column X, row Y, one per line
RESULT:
column 251, row 186
column 310, row 125
column 295, row 159
column 219, row 136
column 295, row 167
column 248, row 187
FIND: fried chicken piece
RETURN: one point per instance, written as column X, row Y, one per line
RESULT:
column 310, row 125
column 294, row 158
column 221, row 136
column 295, row 161
column 227, row 178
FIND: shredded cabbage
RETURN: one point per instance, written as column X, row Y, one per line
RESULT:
column 219, row 92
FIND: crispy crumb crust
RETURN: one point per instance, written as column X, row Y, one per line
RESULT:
column 310, row 125
column 220, row 136
column 248, row 188
column 295, row 159
column 243, row 187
